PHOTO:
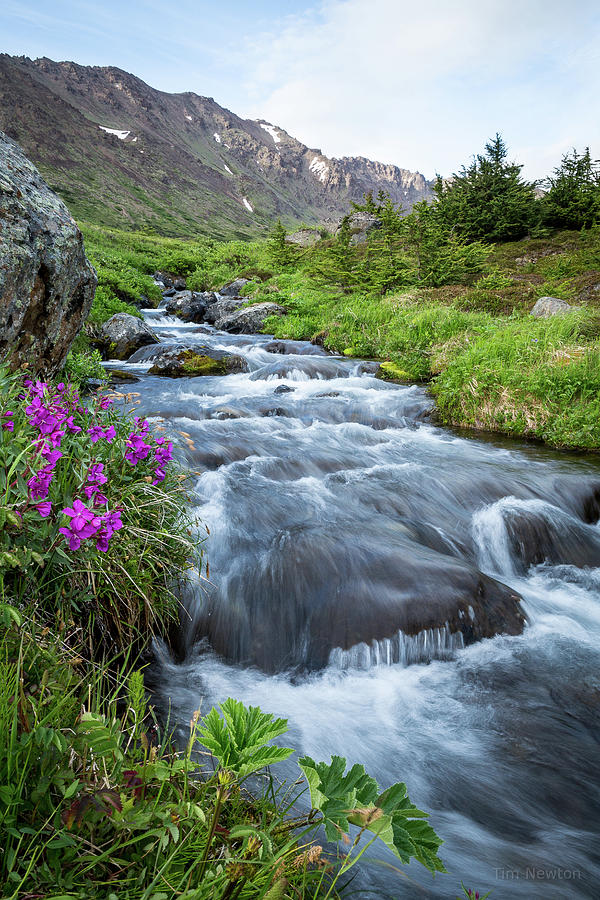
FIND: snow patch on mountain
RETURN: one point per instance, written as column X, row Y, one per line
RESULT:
column 319, row 168
column 270, row 130
column 217, row 137
column 247, row 205
column 120, row 134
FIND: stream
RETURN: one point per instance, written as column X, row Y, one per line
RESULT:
column 425, row 603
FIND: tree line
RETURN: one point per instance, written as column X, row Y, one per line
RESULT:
column 448, row 240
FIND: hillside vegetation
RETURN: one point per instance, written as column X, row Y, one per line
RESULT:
column 432, row 304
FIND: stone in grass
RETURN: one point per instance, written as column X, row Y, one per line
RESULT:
column 250, row 319
column 199, row 361
column 550, row 306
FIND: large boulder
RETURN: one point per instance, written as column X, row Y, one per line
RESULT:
column 190, row 306
column 46, row 282
column 250, row 319
column 234, row 288
column 123, row 334
column 194, row 361
column 550, row 306
column 222, row 308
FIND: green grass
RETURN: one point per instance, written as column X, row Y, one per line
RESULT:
column 489, row 364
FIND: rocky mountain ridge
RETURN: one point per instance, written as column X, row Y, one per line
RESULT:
column 123, row 154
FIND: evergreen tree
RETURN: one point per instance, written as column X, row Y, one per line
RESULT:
column 280, row 251
column 573, row 198
column 441, row 256
column 488, row 200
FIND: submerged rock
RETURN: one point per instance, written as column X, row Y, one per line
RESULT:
column 122, row 335
column 251, row 319
column 196, row 361
column 46, row 282
column 310, row 595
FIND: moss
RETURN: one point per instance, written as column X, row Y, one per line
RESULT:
column 194, row 364
column 389, row 371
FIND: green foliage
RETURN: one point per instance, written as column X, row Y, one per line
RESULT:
column 89, row 801
column 353, row 798
column 441, row 256
column 106, row 304
column 573, row 192
column 487, row 200
column 280, row 252
column 238, row 740
column 528, row 377
column 80, row 366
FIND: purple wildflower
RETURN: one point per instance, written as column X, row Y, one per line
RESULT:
column 72, row 426
column 95, row 432
column 39, row 484
column 51, row 456
column 44, row 509
column 84, row 523
column 105, row 403
column 138, row 450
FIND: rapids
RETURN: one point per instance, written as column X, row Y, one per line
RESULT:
column 358, row 554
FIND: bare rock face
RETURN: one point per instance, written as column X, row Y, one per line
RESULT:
column 550, row 306
column 46, row 282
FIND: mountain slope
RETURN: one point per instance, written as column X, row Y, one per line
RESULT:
column 123, row 154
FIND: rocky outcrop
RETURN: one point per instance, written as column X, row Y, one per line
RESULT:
column 46, row 282
column 550, row 306
column 197, row 360
column 250, row 319
column 305, row 237
column 122, row 335
column 361, row 224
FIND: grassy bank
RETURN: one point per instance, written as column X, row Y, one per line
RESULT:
column 96, row 800
column 489, row 364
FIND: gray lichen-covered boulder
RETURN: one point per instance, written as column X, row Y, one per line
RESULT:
column 550, row 306
column 122, row 335
column 234, row 288
column 250, row 319
column 46, row 282
column 190, row 306
column 222, row 308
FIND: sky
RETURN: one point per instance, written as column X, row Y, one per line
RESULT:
column 421, row 84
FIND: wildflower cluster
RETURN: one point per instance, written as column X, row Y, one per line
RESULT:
column 84, row 445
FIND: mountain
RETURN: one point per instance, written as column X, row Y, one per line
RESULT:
column 125, row 155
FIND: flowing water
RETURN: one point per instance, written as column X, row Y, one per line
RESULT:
column 357, row 553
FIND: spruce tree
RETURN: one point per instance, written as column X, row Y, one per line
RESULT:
column 573, row 198
column 488, row 200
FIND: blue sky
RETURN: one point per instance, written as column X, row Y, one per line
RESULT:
column 421, row 85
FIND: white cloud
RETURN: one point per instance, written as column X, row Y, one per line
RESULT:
column 424, row 85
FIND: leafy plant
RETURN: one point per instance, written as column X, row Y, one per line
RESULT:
column 238, row 739
column 353, row 798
